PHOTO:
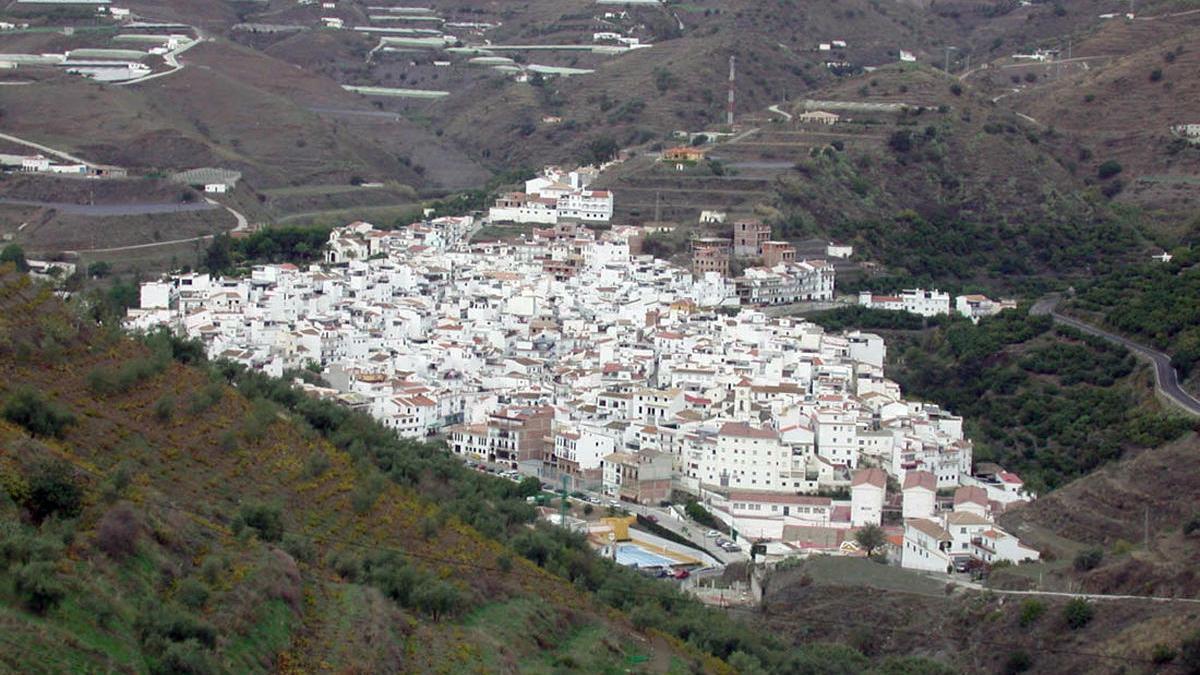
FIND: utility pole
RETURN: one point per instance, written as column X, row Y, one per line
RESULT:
column 657, row 208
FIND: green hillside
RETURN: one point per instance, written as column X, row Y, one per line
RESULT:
column 157, row 519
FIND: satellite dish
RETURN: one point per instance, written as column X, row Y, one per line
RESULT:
column 612, row 536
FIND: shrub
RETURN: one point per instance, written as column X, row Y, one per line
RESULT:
column 648, row 615
column 188, row 657
column 207, row 397
column 118, row 380
column 300, row 548
column 38, row 587
column 159, row 624
column 1109, row 169
column 1018, row 662
column 347, row 565
column 16, row 255
column 1162, row 654
column 1189, row 653
column 367, row 492
column 1078, row 613
column 265, row 519
column 117, row 533
column 40, row 417
column 212, row 567
column 1192, row 525
column 1156, row 75
column 316, row 464
column 1088, row 559
column 117, row 482
column 900, row 141
column 53, row 491
column 956, row 89
column 164, row 409
column 1032, row 609
column 701, row 515
column 192, row 593
column 437, row 598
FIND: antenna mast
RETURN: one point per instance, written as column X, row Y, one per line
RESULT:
column 732, row 76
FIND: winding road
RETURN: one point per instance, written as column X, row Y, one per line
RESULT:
column 779, row 111
column 1166, row 378
column 103, row 210
column 242, row 225
column 171, row 59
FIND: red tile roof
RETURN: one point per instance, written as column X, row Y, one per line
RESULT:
column 970, row 494
column 922, row 479
column 743, row 430
column 872, row 476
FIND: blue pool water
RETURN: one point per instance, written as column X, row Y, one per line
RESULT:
column 632, row 554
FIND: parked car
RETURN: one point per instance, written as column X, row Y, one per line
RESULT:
column 712, row 533
column 682, row 574
column 651, row 517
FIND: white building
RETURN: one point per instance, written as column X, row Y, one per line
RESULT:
column 975, row 307
column 920, row 493
column 917, row 301
column 786, row 283
column 927, row 546
column 867, row 491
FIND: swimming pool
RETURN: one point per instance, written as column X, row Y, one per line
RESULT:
column 632, row 554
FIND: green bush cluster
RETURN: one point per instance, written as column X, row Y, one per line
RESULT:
column 1027, row 405
column 1078, row 613
column 1158, row 303
column 112, row 380
column 37, row 414
column 265, row 519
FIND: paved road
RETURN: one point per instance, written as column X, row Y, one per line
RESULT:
column 171, row 59
column 242, row 225
column 778, row 111
column 380, row 114
column 143, row 209
column 1166, row 378
column 47, row 150
column 954, row 579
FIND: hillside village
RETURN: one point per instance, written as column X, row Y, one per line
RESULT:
column 571, row 356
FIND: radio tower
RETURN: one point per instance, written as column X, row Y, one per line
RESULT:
column 729, row 110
